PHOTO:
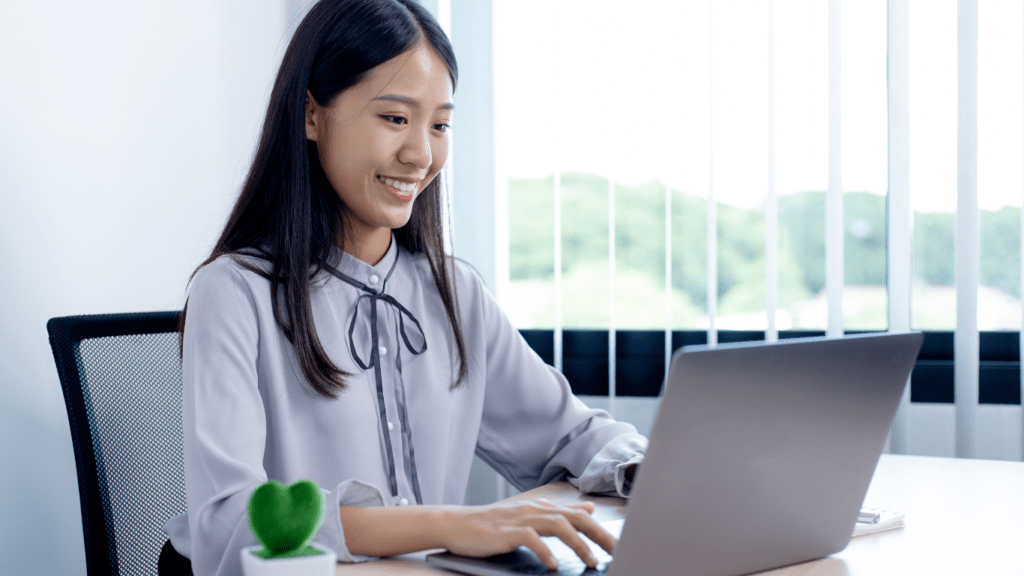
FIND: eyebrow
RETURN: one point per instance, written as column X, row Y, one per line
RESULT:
column 411, row 102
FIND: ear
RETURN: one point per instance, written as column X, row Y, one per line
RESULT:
column 314, row 117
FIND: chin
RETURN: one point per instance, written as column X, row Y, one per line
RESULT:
column 398, row 222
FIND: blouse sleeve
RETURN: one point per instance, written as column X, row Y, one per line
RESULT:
column 535, row 431
column 224, row 426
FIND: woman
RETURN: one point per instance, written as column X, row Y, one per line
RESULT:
column 382, row 365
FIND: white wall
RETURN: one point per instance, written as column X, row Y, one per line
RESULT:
column 473, row 137
column 125, row 129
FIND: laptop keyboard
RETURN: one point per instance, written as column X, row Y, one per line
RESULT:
column 578, row 567
column 523, row 561
column 569, row 563
column 565, row 568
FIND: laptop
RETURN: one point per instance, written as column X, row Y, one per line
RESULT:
column 760, row 457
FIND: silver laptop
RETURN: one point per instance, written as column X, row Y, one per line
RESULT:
column 760, row 457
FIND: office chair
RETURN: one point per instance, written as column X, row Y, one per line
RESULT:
column 121, row 377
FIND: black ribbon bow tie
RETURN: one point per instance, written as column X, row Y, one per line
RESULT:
column 374, row 296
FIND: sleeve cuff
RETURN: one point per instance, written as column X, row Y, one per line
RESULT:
column 349, row 493
column 606, row 473
column 625, row 473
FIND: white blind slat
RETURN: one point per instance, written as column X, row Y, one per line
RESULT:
column 558, row 271
column 668, row 281
column 900, row 221
column 966, row 243
column 712, row 212
column 611, row 300
column 834, row 198
column 771, row 211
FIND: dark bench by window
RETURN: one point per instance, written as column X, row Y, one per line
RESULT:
column 640, row 361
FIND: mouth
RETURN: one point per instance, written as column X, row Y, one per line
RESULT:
column 404, row 191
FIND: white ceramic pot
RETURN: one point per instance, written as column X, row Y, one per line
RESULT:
column 318, row 565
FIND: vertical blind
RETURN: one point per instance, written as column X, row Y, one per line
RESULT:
column 900, row 213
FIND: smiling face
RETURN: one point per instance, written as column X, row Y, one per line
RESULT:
column 381, row 142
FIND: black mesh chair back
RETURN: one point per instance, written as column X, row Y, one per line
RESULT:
column 121, row 376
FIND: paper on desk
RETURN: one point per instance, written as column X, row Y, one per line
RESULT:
column 889, row 520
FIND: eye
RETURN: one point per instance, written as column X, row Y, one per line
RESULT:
column 398, row 120
column 442, row 127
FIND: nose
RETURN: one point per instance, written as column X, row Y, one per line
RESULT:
column 415, row 150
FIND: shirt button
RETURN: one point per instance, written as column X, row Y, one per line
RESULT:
column 383, row 351
column 403, row 502
column 373, row 279
column 391, row 426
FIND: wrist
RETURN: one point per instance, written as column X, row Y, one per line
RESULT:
column 437, row 522
column 391, row 530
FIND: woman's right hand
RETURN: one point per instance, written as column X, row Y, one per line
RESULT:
column 503, row 527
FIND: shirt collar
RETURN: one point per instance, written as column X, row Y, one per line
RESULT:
column 363, row 272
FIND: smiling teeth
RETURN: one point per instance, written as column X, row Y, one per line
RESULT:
column 404, row 187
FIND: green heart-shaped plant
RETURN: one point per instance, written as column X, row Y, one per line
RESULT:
column 285, row 518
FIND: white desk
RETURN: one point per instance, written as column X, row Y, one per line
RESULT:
column 963, row 517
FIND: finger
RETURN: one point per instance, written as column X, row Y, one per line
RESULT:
column 545, row 503
column 588, row 506
column 528, row 537
column 560, row 526
column 583, row 522
column 601, row 537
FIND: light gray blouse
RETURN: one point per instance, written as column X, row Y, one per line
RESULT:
column 249, row 416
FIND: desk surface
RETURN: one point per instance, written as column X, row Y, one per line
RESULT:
column 963, row 517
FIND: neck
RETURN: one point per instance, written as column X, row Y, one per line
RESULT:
column 369, row 248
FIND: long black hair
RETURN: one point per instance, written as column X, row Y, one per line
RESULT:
column 288, row 210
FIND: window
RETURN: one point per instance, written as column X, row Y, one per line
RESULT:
column 749, row 169
column 634, row 118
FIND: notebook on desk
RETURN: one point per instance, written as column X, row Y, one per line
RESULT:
column 760, row 457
